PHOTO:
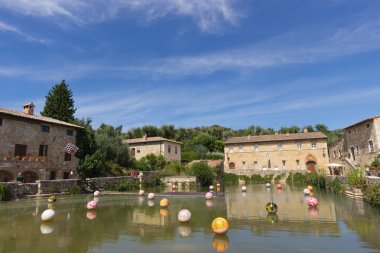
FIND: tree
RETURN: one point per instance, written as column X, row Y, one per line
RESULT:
column 322, row 128
column 59, row 103
column 203, row 172
column 168, row 131
column 85, row 139
column 93, row 165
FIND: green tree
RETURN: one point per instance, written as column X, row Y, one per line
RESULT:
column 322, row 128
column 93, row 166
column 154, row 162
column 203, row 172
column 85, row 139
column 60, row 103
column 168, row 131
column 152, row 131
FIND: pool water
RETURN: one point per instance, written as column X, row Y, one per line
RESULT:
column 128, row 223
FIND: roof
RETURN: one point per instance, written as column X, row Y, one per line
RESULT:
column 20, row 114
column 276, row 137
column 357, row 123
column 149, row 139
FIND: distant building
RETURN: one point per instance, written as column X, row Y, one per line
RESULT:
column 141, row 147
column 34, row 146
column 359, row 145
column 280, row 152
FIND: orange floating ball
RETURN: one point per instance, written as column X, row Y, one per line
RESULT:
column 310, row 187
column 219, row 226
column 279, row 186
column 164, row 202
column 311, row 194
column 164, row 212
column 220, row 243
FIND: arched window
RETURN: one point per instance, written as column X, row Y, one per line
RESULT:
column 231, row 166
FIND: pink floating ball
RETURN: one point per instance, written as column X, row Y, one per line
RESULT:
column 91, row 205
column 90, row 215
column 279, row 186
column 209, row 203
column 208, row 195
column 313, row 212
column 311, row 201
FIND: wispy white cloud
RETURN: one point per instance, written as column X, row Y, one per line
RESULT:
column 208, row 15
column 9, row 28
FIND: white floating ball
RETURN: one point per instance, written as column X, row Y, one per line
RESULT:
column 211, row 187
column 151, row 195
column 184, row 215
column 267, row 184
column 208, row 195
column 46, row 229
column 244, row 188
column 92, row 205
column 150, row 203
column 96, row 193
column 184, row 230
column 306, row 191
column 48, row 215
column 141, row 193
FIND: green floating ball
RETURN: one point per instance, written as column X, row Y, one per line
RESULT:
column 271, row 207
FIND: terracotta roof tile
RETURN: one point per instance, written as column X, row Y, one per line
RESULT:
column 149, row 139
column 274, row 137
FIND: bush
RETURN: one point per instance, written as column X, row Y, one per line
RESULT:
column 230, row 178
column 356, row 178
column 277, row 179
column 5, row 192
column 173, row 169
column 246, row 179
column 203, row 173
column 75, row 189
column 372, row 194
column 335, row 186
column 123, row 186
column 54, row 188
column 268, row 178
column 257, row 179
column 316, row 179
column 152, row 182
column 297, row 179
column 154, row 162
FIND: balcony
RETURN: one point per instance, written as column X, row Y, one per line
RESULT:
column 28, row 158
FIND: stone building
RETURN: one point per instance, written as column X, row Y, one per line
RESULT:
column 359, row 145
column 141, row 147
column 34, row 146
column 280, row 152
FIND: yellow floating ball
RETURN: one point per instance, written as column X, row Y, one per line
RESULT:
column 164, row 202
column 164, row 212
column 310, row 188
column 219, row 226
column 220, row 243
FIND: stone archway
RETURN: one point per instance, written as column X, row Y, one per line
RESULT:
column 30, row 176
column 6, row 176
column 311, row 163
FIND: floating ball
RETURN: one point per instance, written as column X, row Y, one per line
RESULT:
column 271, row 207
column 211, row 187
column 46, row 229
column 184, row 215
column 174, row 187
column 279, row 186
column 217, row 185
column 310, row 188
column 209, row 203
column 219, row 225
column 311, row 194
column 272, row 218
column 141, row 193
column 184, row 230
column 150, row 203
column 96, row 193
column 220, row 243
column 48, row 215
column 164, row 202
column 208, row 195
column 90, row 215
column 243, row 188
column 306, row 191
column 52, row 199
column 267, row 184
column 311, row 201
column 91, row 205
column 164, row 211
column 151, row 195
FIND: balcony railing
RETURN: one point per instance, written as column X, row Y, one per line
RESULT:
column 24, row 158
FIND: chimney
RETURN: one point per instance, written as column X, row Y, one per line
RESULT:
column 145, row 137
column 29, row 108
column 305, row 130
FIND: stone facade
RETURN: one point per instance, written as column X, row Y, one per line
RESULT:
column 359, row 145
column 276, row 153
column 141, row 147
column 34, row 146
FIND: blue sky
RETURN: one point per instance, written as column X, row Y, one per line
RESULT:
column 233, row 63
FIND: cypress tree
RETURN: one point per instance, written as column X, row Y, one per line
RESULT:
column 59, row 103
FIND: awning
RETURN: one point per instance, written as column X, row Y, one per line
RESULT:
column 334, row 165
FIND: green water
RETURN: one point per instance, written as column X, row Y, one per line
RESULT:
column 125, row 223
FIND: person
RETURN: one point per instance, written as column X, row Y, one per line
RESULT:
column 20, row 178
column 378, row 174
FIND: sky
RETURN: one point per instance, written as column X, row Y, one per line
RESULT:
column 189, row 63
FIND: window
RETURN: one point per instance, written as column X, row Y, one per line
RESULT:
column 256, row 147
column 1, row 121
column 169, row 148
column 241, row 148
column 243, row 163
column 45, row 129
column 349, row 131
column 299, row 145
column 298, row 164
column 231, row 148
column 231, row 166
column 279, row 146
column 175, row 149
column 67, row 157
column 339, row 153
column 53, row 175
column 138, row 151
column 70, row 132
column 66, row 175
column 20, row 150
column 368, row 125
column 370, row 146
column 43, row 150
column 313, row 145
column 284, row 164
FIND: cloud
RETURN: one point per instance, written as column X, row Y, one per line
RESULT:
column 9, row 28
column 210, row 16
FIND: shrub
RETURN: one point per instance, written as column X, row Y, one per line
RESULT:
column 123, row 186
column 372, row 194
column 173, row 169
column 257, row 179
column 246, row 179
column 230, row 178
column 298, row 178
column 316, row 179
column 203, row 173
column 335, row 186
column 152, row 182
column 5, row 192
column 54, row 188
column 277, row 179
column 356, row 178
column 75, row 189
column 268, row 178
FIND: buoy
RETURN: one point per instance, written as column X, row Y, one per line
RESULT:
column 267, row 184
column 279, row 186
column 306, row 191
column 184, row 215
column 208, row 195
column 211, row 187
column 48, row 215
column 151, row 195
column 46, row 229
column 311, row 194
column 271, row 208
column 174, row 187
column 311, row 201
column 52, row 199
column 220, row 243
column 96, row 193
column 141, row 193
column 91, row 205
column 164, row 202
column 164, row 211
column 243, row 188
column 91, row 215
column 217, row 185
column 310, row 188
column 184, row 230
column 219, row 225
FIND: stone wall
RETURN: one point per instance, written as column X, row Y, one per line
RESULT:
column 101, row 181
column 179, row 180
column 250, row 172
column 57, row 186
column 343, row 180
